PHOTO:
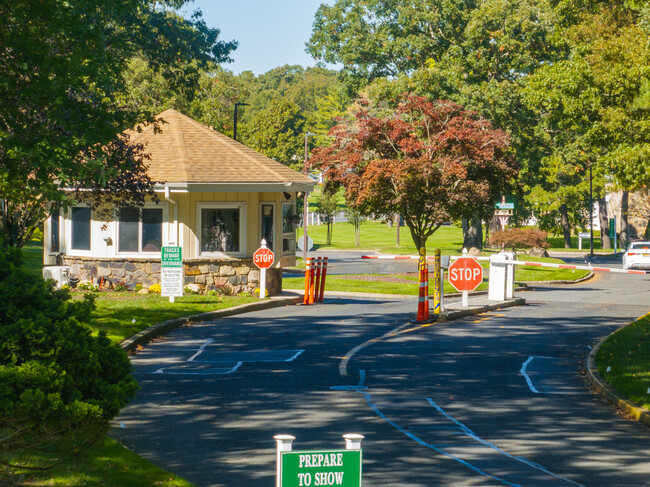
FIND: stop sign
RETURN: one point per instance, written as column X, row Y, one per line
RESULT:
column 465, row 274
column 263, row 258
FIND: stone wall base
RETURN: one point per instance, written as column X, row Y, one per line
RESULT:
column 236, row 275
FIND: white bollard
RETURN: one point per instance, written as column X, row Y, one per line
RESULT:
column 283, row 443
column 510, row 276
column 497, row 278
column 353, row 441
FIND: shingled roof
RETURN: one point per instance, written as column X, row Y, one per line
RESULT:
column 185, row 152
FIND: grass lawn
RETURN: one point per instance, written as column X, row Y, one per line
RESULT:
column 106, row 463
column 627, row 352
column 378, row 236
column 116, row 311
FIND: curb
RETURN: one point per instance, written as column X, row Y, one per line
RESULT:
column 545, row 283
column 160, row 329
column 454, row 315
column 639, row 414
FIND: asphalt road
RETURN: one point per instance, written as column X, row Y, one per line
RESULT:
column 497, row 399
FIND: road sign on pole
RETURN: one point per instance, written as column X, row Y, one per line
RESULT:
column 465, row 274
column 171, row 272
column 319, row 467
column 263, row 258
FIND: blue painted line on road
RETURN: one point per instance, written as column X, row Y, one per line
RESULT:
column 460, row 429
column 522, row 371
column 473, row 435
column 431, row 446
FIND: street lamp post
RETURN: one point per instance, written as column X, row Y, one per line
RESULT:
column 305, row 209
column 591, row 213
column 234, row 130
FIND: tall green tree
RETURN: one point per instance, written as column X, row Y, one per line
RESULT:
column 588, row 104
column 375, row 39
column 64, row 92
column 278, row 132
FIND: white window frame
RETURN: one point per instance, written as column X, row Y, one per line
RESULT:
column 284, row 234
column 163, row 236
column 275, row 218
column 241, row 206
column 69, row 250
column 60, row 220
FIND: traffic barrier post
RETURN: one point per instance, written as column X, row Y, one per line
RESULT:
column 437, row 282
column 426, row 290
column 316, row 292
column 307, row 280
column 312, row 283
column 321, row 294
column 315, row 273
column 421, row 314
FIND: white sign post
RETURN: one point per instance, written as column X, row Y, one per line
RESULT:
column 263, row 259
column 171, row 272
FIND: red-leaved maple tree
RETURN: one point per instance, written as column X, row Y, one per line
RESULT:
column 431, row 162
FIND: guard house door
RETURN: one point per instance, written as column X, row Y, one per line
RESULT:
column 267, row 212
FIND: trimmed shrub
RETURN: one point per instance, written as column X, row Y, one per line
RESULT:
column 58, row 382
column 520, row 238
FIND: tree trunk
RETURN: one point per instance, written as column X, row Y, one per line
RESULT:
column 566, row 227
column 472, row 234
column 625, row 231
column 329, row 232
column 605, row 242
column 357, row 234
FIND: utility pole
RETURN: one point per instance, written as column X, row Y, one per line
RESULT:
column 234, row 130
column 305, row 209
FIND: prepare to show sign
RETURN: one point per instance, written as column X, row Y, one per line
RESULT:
column 465, row 274
column 171, row 272
column 316, row 468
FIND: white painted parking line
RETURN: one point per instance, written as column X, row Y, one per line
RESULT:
column 204, row 361
column 205, row 344
column 201, row 370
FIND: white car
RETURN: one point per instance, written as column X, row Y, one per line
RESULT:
column 637, row 256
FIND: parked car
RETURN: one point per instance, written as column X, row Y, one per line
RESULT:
column 637, row 256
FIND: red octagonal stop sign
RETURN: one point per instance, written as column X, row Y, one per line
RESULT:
column 465, row 274
column 263, row 258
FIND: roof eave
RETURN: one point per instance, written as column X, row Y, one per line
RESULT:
column 235, row 187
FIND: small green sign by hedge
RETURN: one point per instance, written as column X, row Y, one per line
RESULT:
column 316, row 468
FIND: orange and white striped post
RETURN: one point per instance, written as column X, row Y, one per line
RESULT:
column 321, row 291
column 421, row 316
column 312, row 280
column 426, row 291
column 307, row 280
column 423, row 302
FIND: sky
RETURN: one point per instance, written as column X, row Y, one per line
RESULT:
column 270, row 33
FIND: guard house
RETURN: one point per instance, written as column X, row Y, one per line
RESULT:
column 217, row 200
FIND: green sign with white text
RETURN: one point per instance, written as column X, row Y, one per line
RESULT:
column 316, row 468
column 171, row 272
column 171, row 257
